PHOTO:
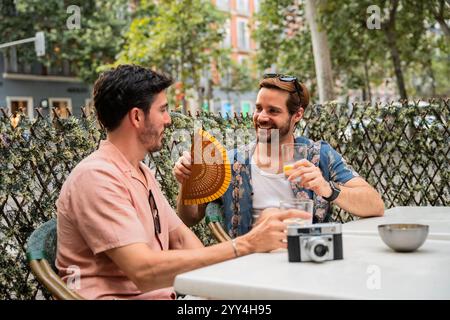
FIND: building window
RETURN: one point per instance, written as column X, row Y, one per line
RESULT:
column 246, row 107
column 216, row 105
column 223, row 4
column 10, row 59
column 19, row 104
column 227, row 31
column 243, row 35
column 227, row 109
column 243, row 60
column 63, row 106
column 256, row 6
column 242, row 6
column 206, row 106
column 212, row 105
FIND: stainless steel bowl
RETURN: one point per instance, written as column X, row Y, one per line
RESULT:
column 403, row 237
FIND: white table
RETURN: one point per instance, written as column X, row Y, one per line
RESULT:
column 438, row 218
column 370, row 270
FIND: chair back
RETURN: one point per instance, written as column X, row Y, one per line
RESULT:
column 214, row 220
column 42, row 243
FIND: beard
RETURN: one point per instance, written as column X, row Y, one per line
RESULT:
column 150, row 137
column 264, row 135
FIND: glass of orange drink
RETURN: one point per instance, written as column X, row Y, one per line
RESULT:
column 290, row 154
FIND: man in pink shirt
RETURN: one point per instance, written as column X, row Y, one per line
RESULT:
column 114, row 224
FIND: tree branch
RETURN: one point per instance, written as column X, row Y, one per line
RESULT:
column 439, row 16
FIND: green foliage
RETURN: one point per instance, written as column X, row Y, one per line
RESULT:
column 290, row 55
column 94, row 44
column 236, row 78
column 36, row 158
column 182, row 38
column 402, row 150
column 361, row 58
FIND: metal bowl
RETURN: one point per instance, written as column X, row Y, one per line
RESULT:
column 403, row 237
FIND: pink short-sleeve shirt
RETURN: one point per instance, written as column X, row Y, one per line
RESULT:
column 104, row 204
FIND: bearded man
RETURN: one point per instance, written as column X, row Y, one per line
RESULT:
column 258, row 181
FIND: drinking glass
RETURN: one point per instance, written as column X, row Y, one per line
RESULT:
column 290, row 154
column 303, row 205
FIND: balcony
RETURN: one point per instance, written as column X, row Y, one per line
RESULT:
column 35, row 70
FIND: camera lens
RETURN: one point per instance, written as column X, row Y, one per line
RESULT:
column 317, row 249
column 320, row 250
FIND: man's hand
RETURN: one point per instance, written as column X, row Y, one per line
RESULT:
column 264, row 214
column 190, row 214
column 310, row 178
column 182, row 168
column 270, row 233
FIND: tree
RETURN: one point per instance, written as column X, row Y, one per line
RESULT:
column 96, row 42
column 100, row 37
column 400, row 44
column 357, row 55
column 236, row 77
column 181, row 38
column 389, row 28
column 321, row 51
column 282, row 49
column 406, row 45
column 441, row 12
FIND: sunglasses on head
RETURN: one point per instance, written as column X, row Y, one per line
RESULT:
column 285, row 78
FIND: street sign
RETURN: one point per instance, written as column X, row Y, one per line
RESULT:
column 38, row 39
column 39, row 44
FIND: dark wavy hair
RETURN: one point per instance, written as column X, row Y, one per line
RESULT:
column 118, row 90
column 294, row 101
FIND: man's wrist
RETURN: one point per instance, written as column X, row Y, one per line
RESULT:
column 335, row 192
column 243, row 246
column 328, row 191
column 233, row 243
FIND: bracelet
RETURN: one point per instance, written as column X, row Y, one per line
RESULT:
column 233, row 243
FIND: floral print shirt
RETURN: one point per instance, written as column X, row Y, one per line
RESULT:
column 237, row 200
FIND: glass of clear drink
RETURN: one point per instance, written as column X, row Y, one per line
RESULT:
column 303, row 205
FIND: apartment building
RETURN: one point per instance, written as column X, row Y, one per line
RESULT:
column 28, row 86
column 243, row 47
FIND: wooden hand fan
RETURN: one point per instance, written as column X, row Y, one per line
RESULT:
column 211, row 172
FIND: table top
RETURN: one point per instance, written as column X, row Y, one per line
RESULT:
column 369, row 270
column 438, row 218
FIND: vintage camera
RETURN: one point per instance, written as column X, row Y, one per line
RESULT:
column 315, row 242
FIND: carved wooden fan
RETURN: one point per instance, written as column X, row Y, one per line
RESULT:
column 211, row 172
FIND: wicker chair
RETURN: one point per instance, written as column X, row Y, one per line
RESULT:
column 41, row 256
column 214, row 220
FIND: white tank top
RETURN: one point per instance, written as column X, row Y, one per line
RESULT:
column 268, row 189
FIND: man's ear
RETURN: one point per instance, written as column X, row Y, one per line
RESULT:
column 298, row 115
column 136, row 117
